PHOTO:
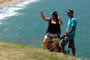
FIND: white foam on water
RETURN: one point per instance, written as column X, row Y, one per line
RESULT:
column 12, row 10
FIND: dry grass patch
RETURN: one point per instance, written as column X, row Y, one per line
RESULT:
column 10, row 51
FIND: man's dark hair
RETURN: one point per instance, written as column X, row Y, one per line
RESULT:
column 70, row 10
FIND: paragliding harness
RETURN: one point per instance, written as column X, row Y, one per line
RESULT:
column 58, row 46
column 66, row 39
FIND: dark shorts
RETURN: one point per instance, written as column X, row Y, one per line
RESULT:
column 68, row 41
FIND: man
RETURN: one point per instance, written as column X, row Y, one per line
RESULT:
column 71, row 30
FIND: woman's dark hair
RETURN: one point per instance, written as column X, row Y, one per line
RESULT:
column 55, row 13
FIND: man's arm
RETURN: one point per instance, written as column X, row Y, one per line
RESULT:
column 74, row 24
column 71, row 30
column 43, row 17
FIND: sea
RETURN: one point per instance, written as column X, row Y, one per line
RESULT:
column 21, row 22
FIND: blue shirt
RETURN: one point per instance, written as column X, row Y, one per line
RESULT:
column 72, row 22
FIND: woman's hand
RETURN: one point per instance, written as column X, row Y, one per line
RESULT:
column 43, row 17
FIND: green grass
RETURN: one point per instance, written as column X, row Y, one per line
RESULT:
column 9, row 51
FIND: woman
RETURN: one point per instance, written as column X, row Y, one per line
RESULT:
column 53, row 31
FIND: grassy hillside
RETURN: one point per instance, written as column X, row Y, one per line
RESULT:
column 9, row 51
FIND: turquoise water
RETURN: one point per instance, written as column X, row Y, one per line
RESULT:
column 26, row 26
